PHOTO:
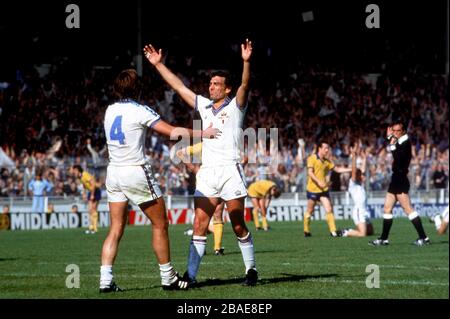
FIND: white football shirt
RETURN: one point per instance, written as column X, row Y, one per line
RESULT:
column 228, row 118
column 126, row 125
column 358, row 194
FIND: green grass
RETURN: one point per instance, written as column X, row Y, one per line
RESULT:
column 33, row 264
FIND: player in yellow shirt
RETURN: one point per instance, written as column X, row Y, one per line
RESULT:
column 261, row 192
column 93, row 196
column 319, row 166
column 217, row 221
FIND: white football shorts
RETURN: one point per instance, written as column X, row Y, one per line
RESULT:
column 134, row 183
column 226, row 182
column 360, row 215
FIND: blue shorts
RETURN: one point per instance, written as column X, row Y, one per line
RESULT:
column 97, row 194
column 316, row 196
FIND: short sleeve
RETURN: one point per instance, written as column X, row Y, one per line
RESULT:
column 310, row 162
column 148, row 116
column 330, row 165
column 201, row 103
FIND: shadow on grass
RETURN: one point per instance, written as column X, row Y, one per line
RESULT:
column 231, row 281
column 8, row 259
column 286, row 278
column 439, row 242
column 235, row 252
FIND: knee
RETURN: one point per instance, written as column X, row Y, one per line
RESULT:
column 115, row 233
column 240, row 230
column 161, row 224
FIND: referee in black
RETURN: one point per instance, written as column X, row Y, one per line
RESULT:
column 400, row 146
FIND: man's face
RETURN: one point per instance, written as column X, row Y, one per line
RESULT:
column 75, row 172
column 217, row 88
column 324, row 150
column 397, row 130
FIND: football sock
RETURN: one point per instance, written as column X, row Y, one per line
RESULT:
column 417, row 222
column 306, row 222
column 256, row 217
column 218, row 232
column 330, row 222
column 106, row 276
column 196, row 252
column 95, row 221
column 437, row 221
column 264, row 223
column 168, row 275
column 247, row 250
column 387, row 224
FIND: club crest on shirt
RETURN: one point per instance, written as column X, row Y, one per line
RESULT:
column 222, row 116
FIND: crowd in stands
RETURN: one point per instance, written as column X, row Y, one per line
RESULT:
column 51, row 122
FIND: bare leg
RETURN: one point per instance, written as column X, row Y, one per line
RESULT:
column 118, row 215
column 156, row 212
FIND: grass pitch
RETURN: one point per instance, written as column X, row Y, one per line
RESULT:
column 33, row 264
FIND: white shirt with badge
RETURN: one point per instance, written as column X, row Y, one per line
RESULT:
column 228, row 118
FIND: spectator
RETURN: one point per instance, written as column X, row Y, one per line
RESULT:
column 38, row 188
column 439, row 177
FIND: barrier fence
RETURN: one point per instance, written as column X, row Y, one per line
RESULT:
column 65, row 220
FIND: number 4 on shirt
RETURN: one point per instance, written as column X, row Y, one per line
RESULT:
column 116, row 133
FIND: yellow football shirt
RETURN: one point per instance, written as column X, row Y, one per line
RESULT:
column 260, row 188
column 87, row 180
column 321, row 168
column 194, row 149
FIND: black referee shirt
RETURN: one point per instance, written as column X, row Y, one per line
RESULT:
column 401, row 151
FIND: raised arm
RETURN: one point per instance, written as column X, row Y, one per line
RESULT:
column 154, row 57
column 242, row 92
column 354, row 153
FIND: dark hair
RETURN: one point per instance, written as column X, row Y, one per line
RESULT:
column 126, row 85
column 79, row 168
column 224, row 74
column 320, row 142
column 400, row 122
column 277, row 192
column 359, row 174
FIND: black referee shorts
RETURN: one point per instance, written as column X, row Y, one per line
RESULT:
column 399, row 184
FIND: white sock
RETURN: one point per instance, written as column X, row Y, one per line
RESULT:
column 445, row 214
column 168, row 275
column 248, row 252
column 196, row 251
column 106, row 276
column 437, row 221
column 413, row 215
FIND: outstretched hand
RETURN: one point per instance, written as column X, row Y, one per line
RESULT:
column 211, row 132
column 246, row 50
column 152, row 55
column 389, row 131
column 354, row 150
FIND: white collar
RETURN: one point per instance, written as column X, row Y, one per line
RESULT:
column 403, row 138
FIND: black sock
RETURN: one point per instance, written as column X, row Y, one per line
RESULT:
column 417, row 222
column 387, row 223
